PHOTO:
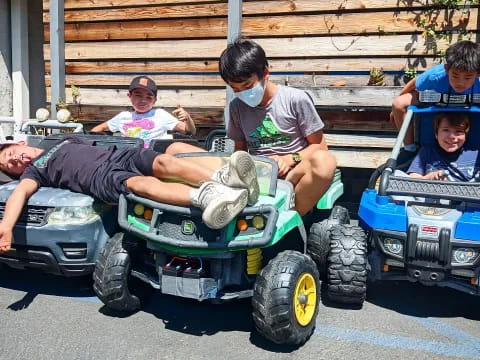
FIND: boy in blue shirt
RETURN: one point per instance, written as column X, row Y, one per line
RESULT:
column 447, row 159
column 459, row 75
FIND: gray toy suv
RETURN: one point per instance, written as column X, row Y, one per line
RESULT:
column 59, row 231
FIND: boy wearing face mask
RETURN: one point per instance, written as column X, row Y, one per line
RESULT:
column 276, row 121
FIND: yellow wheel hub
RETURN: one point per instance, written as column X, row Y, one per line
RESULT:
column 305, row 299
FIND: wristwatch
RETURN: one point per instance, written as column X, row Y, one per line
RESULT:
column 296, row 157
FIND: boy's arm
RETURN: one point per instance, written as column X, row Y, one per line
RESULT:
column 409, row 87
column 101, row 127
column 434, row 175
column 186, row 124
column 13, row 209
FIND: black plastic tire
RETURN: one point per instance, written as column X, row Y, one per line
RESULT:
column 112, row 281
column 347, row 265
column 274, row 298
column 318, row 243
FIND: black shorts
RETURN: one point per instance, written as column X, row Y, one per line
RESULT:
column 109, row 179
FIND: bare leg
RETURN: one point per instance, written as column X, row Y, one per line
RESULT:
column 157, row 190
column 168, row 167
column 212, row 163
column 311, row 179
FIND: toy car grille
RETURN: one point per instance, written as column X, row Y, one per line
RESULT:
column 222, row 144
column 427, row 250
column 31, row 215
column 174, row 226
column 433, row 189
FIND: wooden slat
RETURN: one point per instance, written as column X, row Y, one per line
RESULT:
column 347, row 24
column 360, row 141
column 94, row 114
column 326, row 24
column 167, row 98
column 161, row 80
column 362, row 96
column 257, row 6
column 164, row 29
column 144, row 13
column 292, row 65
column 345, row 46
column 360, row 158
column 138, row 66
column 215, row 9
column 328, row 97
column 215, row 81
column 79, row 4
column 357, row 121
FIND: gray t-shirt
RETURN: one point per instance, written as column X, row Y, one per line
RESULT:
column 279, row 128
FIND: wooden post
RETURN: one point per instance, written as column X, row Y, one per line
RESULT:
column 57, row 54
column 20, row 71
column 234, row 32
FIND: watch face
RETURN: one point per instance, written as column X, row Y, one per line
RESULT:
column 296, row 157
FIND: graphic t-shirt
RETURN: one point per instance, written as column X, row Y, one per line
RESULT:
column 436, row 78
column 462, row 165
column 279, row 128
column 69, row 164
column 151, row 125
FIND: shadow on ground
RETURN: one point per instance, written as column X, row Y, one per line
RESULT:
column 34, row 282
column 423, row 301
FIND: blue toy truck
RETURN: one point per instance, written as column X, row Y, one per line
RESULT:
column 418, row 230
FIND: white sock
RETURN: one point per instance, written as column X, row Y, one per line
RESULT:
column 410, row 147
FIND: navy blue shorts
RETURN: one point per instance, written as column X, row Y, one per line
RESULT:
column 109, row 179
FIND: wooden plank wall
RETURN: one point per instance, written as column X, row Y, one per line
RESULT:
column 310, row 44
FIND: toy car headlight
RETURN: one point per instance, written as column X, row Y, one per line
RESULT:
column 72, row 215
column 464, row 255
column 393, row 245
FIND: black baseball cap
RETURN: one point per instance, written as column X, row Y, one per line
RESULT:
column 143, row 82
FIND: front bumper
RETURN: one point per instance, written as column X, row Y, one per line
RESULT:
column 67, row 250
column 427, row 262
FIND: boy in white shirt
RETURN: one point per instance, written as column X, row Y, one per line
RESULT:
column 145, row 122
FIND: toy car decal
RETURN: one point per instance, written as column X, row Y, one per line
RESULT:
column 430, row 210
column 429, row 230
column 188, row 227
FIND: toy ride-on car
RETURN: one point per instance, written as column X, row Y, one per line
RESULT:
column 60, row 231
column 418, row 230
column 260, row 254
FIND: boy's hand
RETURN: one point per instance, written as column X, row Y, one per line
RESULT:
column 436, row 175
column 5, row 239
column 181, row 114
column 285, row 164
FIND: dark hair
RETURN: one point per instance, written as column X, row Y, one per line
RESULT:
column 463, row 55
column 456, row 119
column 242, row 59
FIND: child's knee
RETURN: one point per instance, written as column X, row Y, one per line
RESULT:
column 162, row 162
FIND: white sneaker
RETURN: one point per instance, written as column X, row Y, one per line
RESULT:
column 220, row 203
column 240, row 172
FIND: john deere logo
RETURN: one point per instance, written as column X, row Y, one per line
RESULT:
column 188, row 227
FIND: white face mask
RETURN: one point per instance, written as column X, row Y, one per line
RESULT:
column 252, row 97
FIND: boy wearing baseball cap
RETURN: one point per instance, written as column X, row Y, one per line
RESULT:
column 145, row 122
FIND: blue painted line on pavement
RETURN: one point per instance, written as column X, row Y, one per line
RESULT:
column 449, row 331
column 93, row 299
column 398, row 342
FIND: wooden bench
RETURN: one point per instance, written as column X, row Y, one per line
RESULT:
column 356, row 118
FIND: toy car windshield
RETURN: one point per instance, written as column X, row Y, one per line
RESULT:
column 431, row 97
